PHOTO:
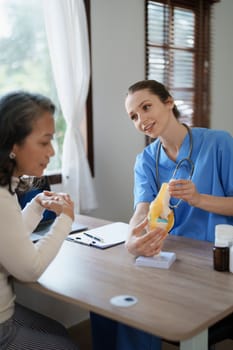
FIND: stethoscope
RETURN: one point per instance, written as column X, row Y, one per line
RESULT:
column 178, row 166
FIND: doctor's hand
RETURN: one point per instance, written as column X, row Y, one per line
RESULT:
column 143, row 242
column 185, row 190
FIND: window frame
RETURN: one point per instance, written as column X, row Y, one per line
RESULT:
column 89, row 107
column 202, row 60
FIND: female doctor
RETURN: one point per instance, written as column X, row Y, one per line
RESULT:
column 200, row 163
column 199, row 160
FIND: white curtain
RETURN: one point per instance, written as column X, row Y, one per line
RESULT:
column 66, row 28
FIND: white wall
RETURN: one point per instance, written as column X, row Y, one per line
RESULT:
column 222, row 68
column 118, row 61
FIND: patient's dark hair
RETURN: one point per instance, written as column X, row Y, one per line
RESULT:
column 155, row 88
column 18, row 112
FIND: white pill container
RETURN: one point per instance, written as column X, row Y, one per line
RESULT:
column 224, row 238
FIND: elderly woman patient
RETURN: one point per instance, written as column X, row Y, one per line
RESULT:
column 26, row 133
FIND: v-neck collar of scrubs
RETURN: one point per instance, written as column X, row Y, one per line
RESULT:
column 183, row 153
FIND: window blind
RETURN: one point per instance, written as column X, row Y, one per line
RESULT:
column 178, row 54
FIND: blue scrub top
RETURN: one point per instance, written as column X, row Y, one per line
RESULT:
column 212, row 156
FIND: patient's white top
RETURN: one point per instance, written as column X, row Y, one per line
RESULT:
column 19, row 257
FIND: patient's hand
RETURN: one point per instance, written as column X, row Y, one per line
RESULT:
column 57, row 202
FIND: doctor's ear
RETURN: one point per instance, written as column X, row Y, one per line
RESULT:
column 170, row 102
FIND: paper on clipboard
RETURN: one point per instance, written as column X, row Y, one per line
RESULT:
column 102, row 237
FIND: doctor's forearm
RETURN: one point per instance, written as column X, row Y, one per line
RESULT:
column 217, row 205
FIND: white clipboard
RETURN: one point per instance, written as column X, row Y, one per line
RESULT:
column 102, row 237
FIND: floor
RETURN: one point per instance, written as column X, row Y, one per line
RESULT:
column 82, row 336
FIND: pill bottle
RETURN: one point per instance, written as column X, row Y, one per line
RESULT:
column 221, row 257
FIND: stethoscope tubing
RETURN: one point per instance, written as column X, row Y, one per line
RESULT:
column 187, row 159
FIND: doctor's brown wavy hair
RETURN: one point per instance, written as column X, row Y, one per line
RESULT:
column 155, row 88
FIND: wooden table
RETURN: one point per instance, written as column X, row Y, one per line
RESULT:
column 178, row 304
